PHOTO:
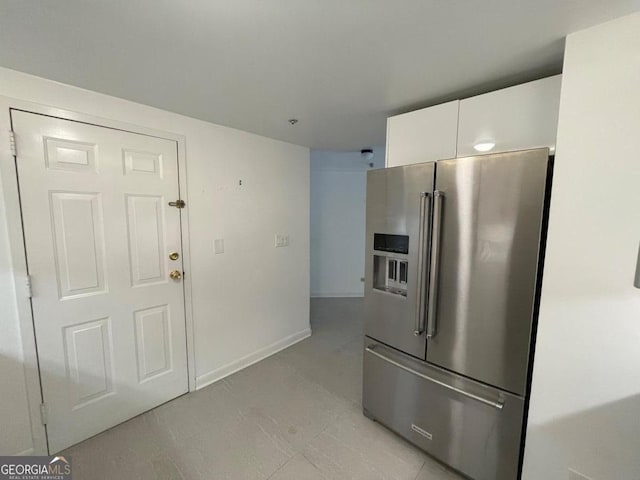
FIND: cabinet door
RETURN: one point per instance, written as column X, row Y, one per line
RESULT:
column 516, row 118
column 425, row 135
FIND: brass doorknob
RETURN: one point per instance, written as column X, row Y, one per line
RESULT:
column 175, row 275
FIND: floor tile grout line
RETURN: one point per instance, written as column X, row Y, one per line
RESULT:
column 330, row 423
column 281, row 466
column 347, row 401
column 420, row 470
column 313, row 465
column 318, row 384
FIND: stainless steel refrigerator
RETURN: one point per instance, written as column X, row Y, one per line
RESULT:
column 453, row 266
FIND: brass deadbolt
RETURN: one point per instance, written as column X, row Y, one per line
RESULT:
column 174, row 255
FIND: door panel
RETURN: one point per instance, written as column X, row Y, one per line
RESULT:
column 88, row 360
column 489, row 236
column 392, row 254
column 78, row 242
column 153, row 341
column 69, row 155
column 109, row 322
column 145, row 228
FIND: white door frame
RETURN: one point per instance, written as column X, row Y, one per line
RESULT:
column 9, row 180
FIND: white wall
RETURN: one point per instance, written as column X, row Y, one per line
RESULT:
column 338, row 196
column 585, row 406
column 247, row 302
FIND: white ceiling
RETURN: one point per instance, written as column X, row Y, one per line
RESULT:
column 339, row 66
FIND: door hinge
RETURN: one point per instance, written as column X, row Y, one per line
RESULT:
column 27, row 286
column 12, row 143
column 43, row 413
column 177, row 204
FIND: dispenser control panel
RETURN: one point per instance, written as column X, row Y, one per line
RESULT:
column 390, row 267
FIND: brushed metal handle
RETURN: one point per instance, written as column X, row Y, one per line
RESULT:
column 422, row 254
column 432, row 309
column 499, row 404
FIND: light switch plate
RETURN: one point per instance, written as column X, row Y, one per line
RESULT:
column 218, row 246
column 282, row 240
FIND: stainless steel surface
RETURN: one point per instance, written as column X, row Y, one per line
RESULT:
column 393, row 207
column 434, row 269
column 372, row 350
column 477, row 439
column 422, row 255
column 421, row 431
column 636, row 283
column 489, row 244
column 476, row 261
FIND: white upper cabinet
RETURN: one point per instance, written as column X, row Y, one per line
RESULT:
column 516, row 118
column 425, row 135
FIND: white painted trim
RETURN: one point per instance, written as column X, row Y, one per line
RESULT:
column 386, row 146
column 24, row 453
column 18, row 256
column 186, row 264
column 19, row 267
column 254, row 357
column 338, row 295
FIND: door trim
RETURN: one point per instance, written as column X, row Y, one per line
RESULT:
column 10, row 188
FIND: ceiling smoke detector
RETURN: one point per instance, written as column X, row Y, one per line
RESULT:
column 367, row 154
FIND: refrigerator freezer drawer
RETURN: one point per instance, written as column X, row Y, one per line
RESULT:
column 469, row 426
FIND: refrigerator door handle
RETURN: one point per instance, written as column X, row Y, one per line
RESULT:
column 499, row 404
column 432, row 324
column 425, row 198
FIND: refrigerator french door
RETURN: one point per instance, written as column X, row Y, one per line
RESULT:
column 398, row 232
column 446, row 366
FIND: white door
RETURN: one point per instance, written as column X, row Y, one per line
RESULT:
column 109, row 319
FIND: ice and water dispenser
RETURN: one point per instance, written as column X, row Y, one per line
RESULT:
column 390, row 265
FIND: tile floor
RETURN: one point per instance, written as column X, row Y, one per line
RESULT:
column 295, row 415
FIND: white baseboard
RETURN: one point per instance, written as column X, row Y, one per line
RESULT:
column 337, row 295
column 28, row 451
column 230, row 368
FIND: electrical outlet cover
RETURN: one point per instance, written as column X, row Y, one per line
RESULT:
column 218, row 245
